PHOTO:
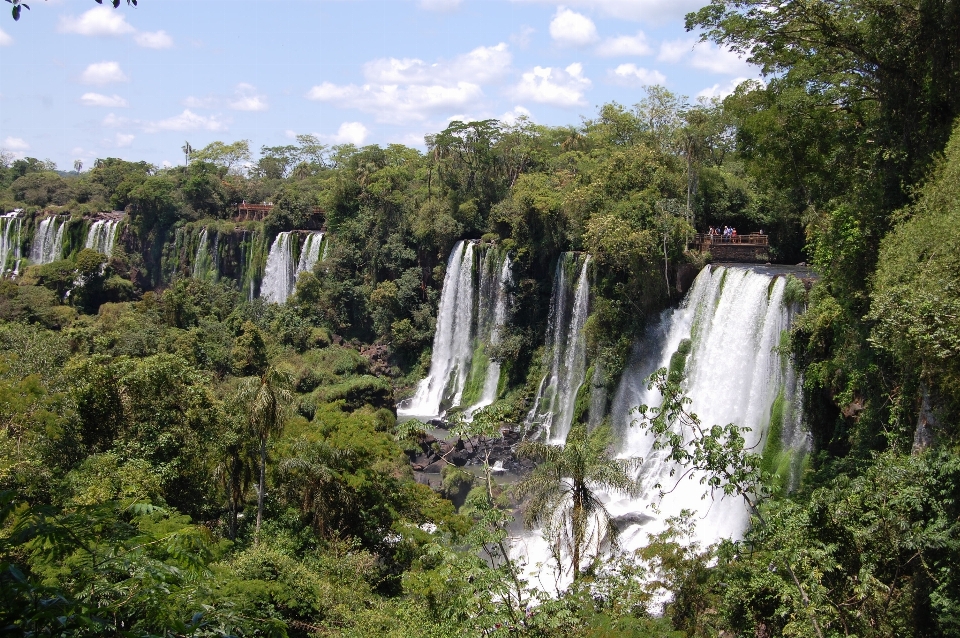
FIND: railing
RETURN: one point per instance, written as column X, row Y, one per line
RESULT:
column 256, row 212
column 753, row 239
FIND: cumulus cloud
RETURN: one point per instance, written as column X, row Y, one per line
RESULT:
column 187, row 121
column 570, row 28
column 706, row 56
column 512, row 116
column 349, row 133
column 100, row 21
column 632, row 75
column 15, row 144
column 483, row 64
column 395, row 104
column 558, row 87
column 154, row 39
column 625, row 45
column 123, row 139
column 192, row 102
column 635, row 10
column 439, row 5
column 246, row 98
column 5, row 40
column 103, row 73
column 721, row 91
column 96, row 99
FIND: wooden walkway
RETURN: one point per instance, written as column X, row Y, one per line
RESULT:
column 256, row 212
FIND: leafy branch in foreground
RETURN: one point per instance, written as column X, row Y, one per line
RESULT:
column 718, row 453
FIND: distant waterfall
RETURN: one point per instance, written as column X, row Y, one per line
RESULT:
column 473, row 308
column 278, row 278
column 553, row 408
column 310, row 253
column 280, row 274
column 731, row 322
column 206, row 261
column 10, row 226
column 48, row 241
column 102, row 236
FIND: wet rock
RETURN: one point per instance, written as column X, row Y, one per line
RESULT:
column 631, row 518
column 436, row 467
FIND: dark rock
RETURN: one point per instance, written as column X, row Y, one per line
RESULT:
column 631, row 518
column 436, row 467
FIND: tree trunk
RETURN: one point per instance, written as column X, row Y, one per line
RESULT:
column 262, row 486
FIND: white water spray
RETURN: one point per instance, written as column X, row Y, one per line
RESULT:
column 10, row 226
column 280, row 274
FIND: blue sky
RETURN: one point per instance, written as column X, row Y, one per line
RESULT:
column 81, row 81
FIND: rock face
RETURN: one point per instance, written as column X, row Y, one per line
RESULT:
column 432, row 454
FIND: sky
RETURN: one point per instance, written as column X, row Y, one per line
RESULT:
column 82, row 81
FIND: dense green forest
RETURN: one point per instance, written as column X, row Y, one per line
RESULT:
column 180, row 457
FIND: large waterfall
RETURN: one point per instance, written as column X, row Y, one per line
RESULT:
column 10, row 226
column 48, row 241
column 280, row 275
column 474, row 305
column 731, row 323
column 553, row 408
column 102, row 236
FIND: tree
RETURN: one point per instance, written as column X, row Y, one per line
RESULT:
column 187, row 150
column 77, row 165
column 563, row 491
column 267, row 399
column 229, row 156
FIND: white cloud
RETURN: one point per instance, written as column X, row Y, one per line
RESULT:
column 97, row 21
column 103, row 73
column 483, row 64
column 523, row 37
column 513, row 115
column 246, row 98
column 548, row 85
column 349, row 133
column 192, row 102
column 114, row 121
column 439, row 5
column 395, row 104
column 636, row 10
column 625, row 45
column 706, row 56
column 15, row 144
column 721, row 91
column 110, row 101
column 123, row 139
column 187, row 121
column 632, row 75
column 570, row 28
column 166, row 164
column 154, row 40
column 5, row 39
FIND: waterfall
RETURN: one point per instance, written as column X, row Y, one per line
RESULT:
column 474, row 305
column 102, row 236
column 730, row 323
column 310, row 253
column 206, row 261
column 733, row 318
column 48, row 241
column 278, row 278
column 553, row 408
column 10, row 226
column 280, row 274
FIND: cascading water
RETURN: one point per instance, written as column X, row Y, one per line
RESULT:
column 733, row 319
column 553, row 408
column 469, row 319
column 48, row 241
column 280, row 274
column 310, row 253
column 206, row 262
column 10, row 226
column 102, row 236
column 278, row 278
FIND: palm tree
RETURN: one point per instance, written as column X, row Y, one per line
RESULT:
column 267, row 399
column 563, row 491
column 187, row 150
column 77, row 165
column 236, row 470
column 311, row 477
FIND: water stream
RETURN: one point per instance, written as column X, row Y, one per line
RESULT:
column 48, row 240
column 10, row 226
column 102, row 236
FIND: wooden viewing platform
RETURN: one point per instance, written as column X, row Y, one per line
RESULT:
column 256, row 212
column 752, row 248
